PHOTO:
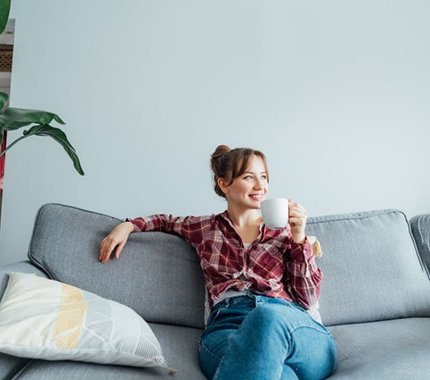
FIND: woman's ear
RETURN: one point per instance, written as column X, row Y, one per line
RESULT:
column 222, row 185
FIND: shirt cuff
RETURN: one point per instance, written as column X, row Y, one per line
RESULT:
column 301, row 252
column 138, row 225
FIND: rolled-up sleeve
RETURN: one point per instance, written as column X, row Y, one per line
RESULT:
column 302, row 278
column 190, row 228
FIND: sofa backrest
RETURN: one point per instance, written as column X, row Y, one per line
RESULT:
column 372, row 270
column 420, row 225
column 158, row 275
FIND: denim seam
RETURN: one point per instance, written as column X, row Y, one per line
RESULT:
column 322, row 331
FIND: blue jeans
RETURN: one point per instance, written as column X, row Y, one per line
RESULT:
column 263, row 338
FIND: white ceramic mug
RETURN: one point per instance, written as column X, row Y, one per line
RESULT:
column 275, row 212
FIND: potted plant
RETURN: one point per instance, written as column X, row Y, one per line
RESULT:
column 12, row 119
column 38, row 122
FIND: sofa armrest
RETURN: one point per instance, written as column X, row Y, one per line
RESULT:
column 420, row 226
column 22, row 266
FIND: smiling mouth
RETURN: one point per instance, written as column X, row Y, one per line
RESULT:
column 257, row 197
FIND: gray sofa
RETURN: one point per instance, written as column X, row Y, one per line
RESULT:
column 375, row 297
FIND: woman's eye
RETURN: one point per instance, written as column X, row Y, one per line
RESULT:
column 248, row 177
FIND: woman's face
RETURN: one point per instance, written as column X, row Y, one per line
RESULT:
column 250, row 188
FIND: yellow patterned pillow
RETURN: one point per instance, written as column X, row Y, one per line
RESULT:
column 46, row 319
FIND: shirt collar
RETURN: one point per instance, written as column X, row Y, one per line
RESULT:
column 226, row 218
column 264, row 231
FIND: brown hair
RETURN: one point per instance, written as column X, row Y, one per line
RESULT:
column 229, row 164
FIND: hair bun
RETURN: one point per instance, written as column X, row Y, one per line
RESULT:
column 220, row 151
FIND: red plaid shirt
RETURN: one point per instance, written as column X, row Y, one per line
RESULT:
column 273, row 265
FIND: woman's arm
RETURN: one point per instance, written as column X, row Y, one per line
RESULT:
column 302, row 278
column 190, row 228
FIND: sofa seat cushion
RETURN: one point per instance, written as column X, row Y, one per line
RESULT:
column 180, row 348
column 10, row 365
column 393, row 349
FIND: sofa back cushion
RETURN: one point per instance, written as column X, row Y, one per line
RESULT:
column 420, row 225
column 372, row 270
column 158, row 275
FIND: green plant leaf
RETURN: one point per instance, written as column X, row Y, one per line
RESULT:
column 3, row 99
column 59, row 136
column 15, row 118
column 4, row 14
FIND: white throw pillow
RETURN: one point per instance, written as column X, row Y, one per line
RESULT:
column 46, row 319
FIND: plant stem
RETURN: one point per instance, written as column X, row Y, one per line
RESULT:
column 11, row 145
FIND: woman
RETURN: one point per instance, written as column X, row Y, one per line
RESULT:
column 259, row 281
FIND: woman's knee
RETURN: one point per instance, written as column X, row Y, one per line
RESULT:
column 313, row 354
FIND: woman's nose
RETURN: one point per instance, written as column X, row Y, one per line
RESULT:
column 258, row 184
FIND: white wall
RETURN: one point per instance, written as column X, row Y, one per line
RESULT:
column 335, row 92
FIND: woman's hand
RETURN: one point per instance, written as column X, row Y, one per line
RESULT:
column 116, row 239
column 297, row 218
